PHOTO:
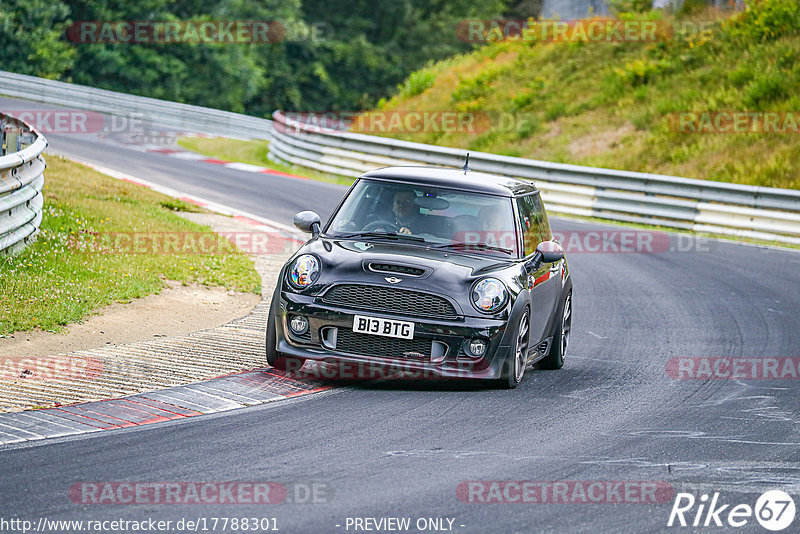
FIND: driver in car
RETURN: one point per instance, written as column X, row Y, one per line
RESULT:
column 406, row 212
column 492, row 220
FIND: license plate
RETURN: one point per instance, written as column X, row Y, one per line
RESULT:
column 383, row 327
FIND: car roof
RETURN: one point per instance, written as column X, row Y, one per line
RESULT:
column 477, row 182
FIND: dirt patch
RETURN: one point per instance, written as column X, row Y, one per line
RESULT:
column 177, row 310
column 596, row 143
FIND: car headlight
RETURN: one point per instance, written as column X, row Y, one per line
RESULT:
column 304, row 271
column 489, row 295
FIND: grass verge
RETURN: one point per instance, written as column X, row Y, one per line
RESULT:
column 254, row 152
column 55, row 281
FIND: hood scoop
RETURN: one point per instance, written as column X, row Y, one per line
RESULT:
column 394, row 268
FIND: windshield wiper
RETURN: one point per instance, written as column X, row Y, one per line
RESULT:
column 477, row 246
column 387, row 235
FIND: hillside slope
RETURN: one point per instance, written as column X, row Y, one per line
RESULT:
column 623, row 104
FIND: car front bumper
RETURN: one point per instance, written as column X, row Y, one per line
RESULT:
column 445, row 340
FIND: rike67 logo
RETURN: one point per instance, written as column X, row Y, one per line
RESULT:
column 774, row 510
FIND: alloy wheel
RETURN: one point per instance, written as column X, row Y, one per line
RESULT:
column 520, row 356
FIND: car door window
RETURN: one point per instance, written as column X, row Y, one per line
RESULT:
column 533, row 222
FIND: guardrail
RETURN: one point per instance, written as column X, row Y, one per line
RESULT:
column 21, row 182
column 705, row 206
column 182, row 117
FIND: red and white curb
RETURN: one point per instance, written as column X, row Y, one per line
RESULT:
column 211, row 396
column 246, row 167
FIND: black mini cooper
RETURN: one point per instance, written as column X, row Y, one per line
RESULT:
column 447, row 272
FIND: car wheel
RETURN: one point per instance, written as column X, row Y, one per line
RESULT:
column 518, row 357
column 555, row 358
column 274, row 358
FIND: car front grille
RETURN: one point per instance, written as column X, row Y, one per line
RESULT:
column 390, row 300
column 383, row 347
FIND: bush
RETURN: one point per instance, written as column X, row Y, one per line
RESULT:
column 522, row 101
column 741, row 76
column 555, row 111
column 641, row 71
column 475, row 87
column 527, row 127
column 766, row 88
column 630, row 6
column 767, row 20
column 691, row 7
column 417, row 83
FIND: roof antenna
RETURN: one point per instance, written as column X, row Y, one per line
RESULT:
column 465, row 168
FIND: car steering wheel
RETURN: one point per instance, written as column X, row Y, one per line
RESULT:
column 386, row 226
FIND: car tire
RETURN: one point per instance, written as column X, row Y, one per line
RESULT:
column 274, row 358
column 516, row 361
column 561, row 334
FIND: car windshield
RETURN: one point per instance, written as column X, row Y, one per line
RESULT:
column 446, row 218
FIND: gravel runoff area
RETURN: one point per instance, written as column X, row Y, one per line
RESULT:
column 116, row 370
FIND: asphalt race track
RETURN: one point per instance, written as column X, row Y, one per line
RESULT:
column 401, row 449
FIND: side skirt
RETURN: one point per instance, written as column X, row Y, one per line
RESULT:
column 538, row 352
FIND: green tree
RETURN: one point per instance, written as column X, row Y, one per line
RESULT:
column 30, row 37
column 370, row 47
column 218, row 75
column 364, row 50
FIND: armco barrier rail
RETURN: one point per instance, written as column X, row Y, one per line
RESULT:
column 181, row 117
column 701, row 205
column 21, row 181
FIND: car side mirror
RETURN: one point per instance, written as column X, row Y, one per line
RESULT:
column 307, row 221
column 551, row 251
column 546, row 252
